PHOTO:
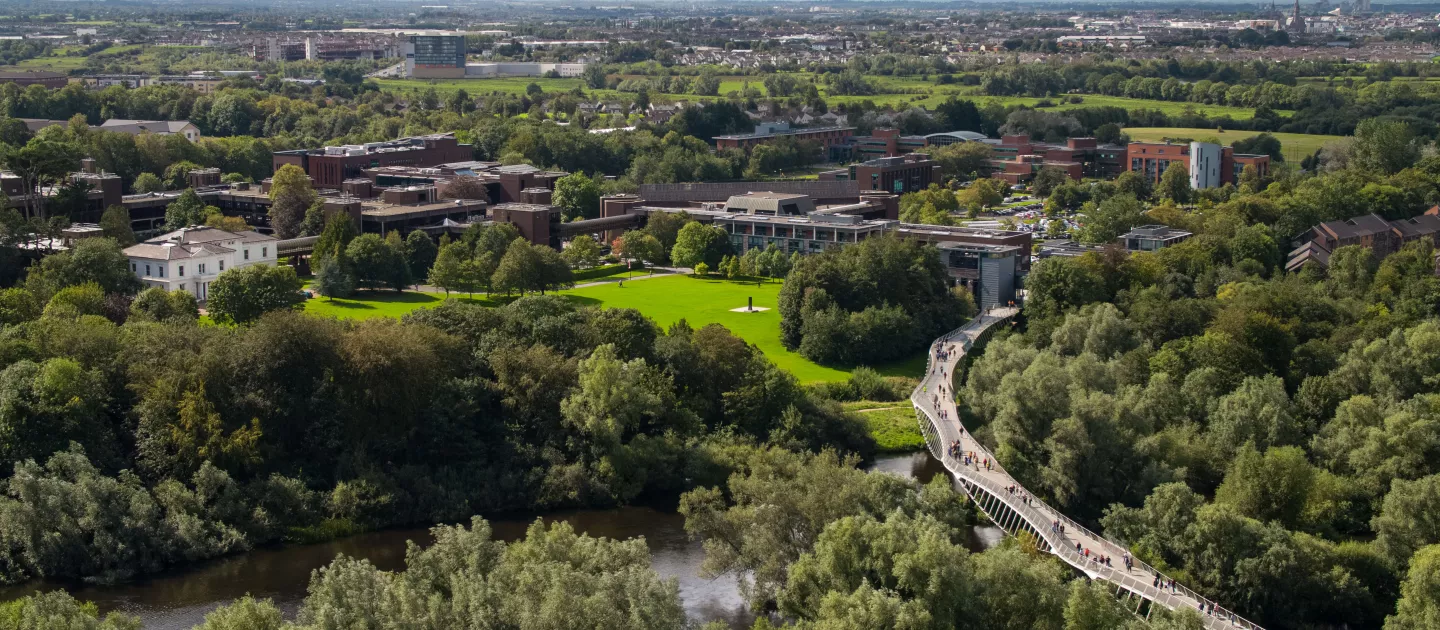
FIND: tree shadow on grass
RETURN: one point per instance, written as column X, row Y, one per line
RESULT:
column 369, row 300
column 583, row 300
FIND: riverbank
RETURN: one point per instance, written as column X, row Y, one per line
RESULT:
column 179, row 599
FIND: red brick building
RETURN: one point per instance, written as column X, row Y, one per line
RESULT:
column 1152, row 158
column 1018, row 159
column 330, row 166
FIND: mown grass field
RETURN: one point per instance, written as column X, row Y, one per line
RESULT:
column 701, row 301
column 1296, row 146
column 666, row 300
column 368, row 304
column 894, row 91
column 59, row 61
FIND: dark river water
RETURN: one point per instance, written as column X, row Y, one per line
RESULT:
column 179, row 599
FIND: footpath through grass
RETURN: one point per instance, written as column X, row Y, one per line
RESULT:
column 1295, row 146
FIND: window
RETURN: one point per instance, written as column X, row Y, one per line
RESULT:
column 132, row 267
column 182, row 284
column 162, row 271
column 200, row 268
column 264, row 252
column 182, row 272
column 247, row 254
column 222, row 265
column 147, row 270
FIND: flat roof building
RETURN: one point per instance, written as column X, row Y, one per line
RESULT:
column 898, row 175
column 990, row 272
column 1148, row 238
column 1208, row 164
column 329, row 167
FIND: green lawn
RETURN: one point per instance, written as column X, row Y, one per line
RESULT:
column 668, row 299
column 367, row 304
column 895, row 429
column 701, row 301
column 1296, row 146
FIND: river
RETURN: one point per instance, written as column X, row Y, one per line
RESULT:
column 179, row 599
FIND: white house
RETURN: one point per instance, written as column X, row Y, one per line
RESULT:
column 190, row 258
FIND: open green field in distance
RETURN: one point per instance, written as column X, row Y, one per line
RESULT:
column 1296, row 146
column 666, row 300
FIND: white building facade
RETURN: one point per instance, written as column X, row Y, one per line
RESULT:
column 189, row 259
column 1205, row 158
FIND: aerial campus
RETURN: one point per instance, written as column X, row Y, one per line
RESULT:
column 860, row 315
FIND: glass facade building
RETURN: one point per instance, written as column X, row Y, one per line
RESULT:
column 439, row 51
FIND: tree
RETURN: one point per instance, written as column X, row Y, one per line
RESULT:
column 115, row 223
column 984, row 193
column 377, row 263
column 594, row 76
column 520, row 269
column 466, row 187
column 185, row 211
column 643, row 247
column 148, row 183
column 420, row 253
column 158, row 305
column 214, row 218
column 314, row 222
column 702, row 269
column 577, row 196
column 177, row 175
column 697, row 243
column 1384, row 147
column 1133, row 183
column 339, row 231
column 1175, row 184
column 1409, row 518
column 291, row 195
column 241, row 295
column 335, row 276
column 582, row 252
column 1261, row 144
column 963, row 160
column 98, row 260
column 1047, row 179
column 57, row 609
column 1419, row 605
column 1274, row 486
column 1107, row 220
column 1056, row 285
column 448, row 271
column 246, row 613
column 665, row 227
column 38, row 164
column 75, row 301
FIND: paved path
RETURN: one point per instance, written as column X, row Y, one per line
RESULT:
column 1013, row 507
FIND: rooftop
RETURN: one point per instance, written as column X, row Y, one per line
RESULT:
column 762, row 132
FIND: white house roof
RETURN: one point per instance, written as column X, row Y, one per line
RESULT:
column 192, row 242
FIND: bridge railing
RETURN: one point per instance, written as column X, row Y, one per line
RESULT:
column 1172, row 598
